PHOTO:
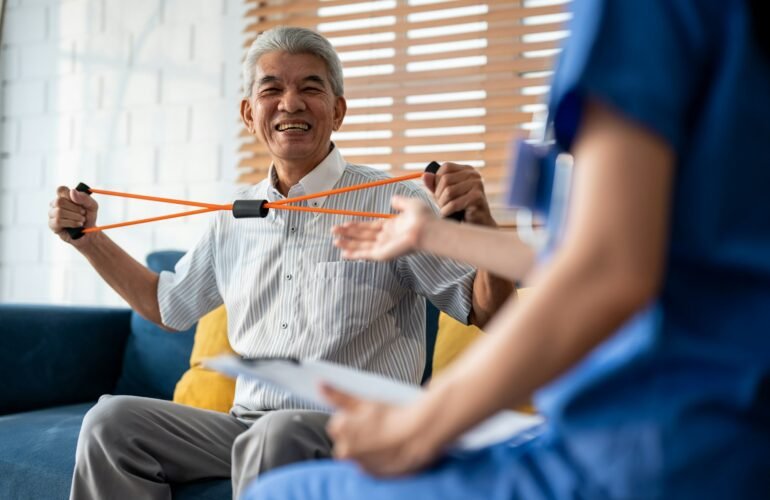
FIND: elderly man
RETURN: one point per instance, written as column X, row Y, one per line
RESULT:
column 285, row 287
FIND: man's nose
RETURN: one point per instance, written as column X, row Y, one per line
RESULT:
column 292, row 102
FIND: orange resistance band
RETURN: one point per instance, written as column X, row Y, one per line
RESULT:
column 349, row 188
column 279, row 205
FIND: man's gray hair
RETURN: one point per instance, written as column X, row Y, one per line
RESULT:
column 294, row 41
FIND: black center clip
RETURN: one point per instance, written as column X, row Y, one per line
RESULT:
column 243, row 209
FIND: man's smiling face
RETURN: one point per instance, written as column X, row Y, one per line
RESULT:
column 293, row 109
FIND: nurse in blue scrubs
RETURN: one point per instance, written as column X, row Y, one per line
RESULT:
column 646, row 341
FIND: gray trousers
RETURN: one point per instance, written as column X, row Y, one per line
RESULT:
column 131, row 447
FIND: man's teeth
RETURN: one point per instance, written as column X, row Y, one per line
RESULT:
column 297, row 126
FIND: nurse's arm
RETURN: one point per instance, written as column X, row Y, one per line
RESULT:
column 417, row 228
column 611, row 264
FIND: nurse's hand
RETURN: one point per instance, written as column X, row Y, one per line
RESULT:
column 385, row 440
column 385, row 239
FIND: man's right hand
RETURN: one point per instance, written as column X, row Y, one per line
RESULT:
column 71, row 209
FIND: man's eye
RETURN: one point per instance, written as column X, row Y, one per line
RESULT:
column 270, row 90
column 313, row 90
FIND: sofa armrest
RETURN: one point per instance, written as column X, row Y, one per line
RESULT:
column 53, row 355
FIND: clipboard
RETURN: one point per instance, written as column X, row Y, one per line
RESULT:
column 304, row 378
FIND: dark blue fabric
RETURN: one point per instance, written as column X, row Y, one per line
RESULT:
column 532, row 469
column 52, row 355
column 212, row 489
column 431, row 332
column 686, row 383
column 59, row 355
column 155, row 359
column 677, row 403
column 37, row 457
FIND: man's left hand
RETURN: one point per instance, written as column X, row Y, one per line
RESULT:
column 460, row 187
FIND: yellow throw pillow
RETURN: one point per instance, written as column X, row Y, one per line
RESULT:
column 198, row 386
column 452, row 339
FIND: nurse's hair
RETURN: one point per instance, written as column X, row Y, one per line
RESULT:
column 293, row 41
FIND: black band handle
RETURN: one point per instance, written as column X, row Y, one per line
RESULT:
column 250, row 208
column 77, row 232
column 459, row 216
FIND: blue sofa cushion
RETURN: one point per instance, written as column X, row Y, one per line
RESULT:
column 37, row 457
column 155, row 359
column 52, row 355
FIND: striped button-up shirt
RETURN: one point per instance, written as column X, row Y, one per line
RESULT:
column 288, row 292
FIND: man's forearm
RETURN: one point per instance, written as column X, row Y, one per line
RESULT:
column 489, row 294
column 134, row 282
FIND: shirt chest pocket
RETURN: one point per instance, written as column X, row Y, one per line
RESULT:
column 347, row 297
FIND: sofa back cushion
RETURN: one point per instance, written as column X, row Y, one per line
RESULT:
column 154, row 358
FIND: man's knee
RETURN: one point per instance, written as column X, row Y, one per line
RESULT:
column 283, row 437
column 110, row 420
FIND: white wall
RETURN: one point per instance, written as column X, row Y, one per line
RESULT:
column 129, row 95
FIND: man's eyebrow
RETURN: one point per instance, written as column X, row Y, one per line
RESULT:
column 315, row 78
column 267, row 79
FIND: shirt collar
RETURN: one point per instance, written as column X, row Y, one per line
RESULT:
column 323, row 177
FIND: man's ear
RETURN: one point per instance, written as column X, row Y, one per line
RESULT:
column 340, row 108
column 246, row 115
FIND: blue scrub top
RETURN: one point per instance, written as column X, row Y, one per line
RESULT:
column 683, row 389
column 677, row 403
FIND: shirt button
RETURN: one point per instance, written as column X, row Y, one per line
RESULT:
column 284, row 325
column 288, row 276
column 292, row 229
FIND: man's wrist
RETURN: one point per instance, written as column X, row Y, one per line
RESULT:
column 487, row 219
column 90, row 243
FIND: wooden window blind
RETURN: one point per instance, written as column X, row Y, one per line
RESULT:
column 444, row 80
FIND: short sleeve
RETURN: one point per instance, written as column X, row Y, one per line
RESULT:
column 644, row 59
column 191, row 291
column 446, row 283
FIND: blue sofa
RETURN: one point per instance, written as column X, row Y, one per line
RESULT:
column 55, row 362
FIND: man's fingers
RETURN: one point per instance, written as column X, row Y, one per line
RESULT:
column 457, row 204
column 456, row 177
column 458, row 190
column 66, row 218
column 83, row 199
column 63, row 200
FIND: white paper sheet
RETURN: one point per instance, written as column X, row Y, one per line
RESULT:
column 303, row 379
